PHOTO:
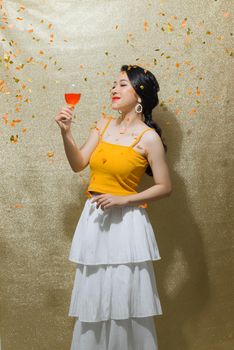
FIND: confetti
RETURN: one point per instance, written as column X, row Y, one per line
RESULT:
column 16, row 79
column 50, row 154
column 3, row 87
column 14, row 121
column 29, row 59
column 18, row 205
column 14, row 138
column 146, row 25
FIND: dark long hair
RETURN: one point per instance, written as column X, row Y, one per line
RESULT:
column 146, row 86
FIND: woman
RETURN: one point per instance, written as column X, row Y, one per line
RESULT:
column 114, row 295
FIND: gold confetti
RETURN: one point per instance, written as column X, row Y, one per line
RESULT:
column 14, row 138
column 3, row 87
column 50, row 154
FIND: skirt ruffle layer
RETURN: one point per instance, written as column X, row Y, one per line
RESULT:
column 116, row 235
column 114, row 292
column 129, row 334
column 114, row 295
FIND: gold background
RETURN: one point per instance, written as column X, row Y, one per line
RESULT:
column 187, row 45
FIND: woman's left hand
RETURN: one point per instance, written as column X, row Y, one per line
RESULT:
column 107, row 200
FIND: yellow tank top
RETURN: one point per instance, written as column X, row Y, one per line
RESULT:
column 116, row 169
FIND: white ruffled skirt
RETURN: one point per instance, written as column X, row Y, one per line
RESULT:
column 114, row 296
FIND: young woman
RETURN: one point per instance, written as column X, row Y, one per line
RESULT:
column 114, row 296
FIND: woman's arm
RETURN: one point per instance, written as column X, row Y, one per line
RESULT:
column 157, row 160
column 77, row 158
column 74, row 155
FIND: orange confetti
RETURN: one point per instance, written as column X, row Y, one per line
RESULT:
column 14, row 121
column 24, row 129
column 29, row 59
column 104, row 115
column 144, row 205
column 18, row 205
column 177, row 65
column 169, row 27
column 184, row 23
column 21, row 8
column 49, row 25
column 198, row 92
column 146, row 25
column 50, row 154
column 5, row 117
column 19, row 18
column 3, row 87
column 193, row 111
column 19, row 97
column 30, row 30
column 41, row 52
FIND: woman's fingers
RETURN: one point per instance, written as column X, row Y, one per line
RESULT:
column 64, row 117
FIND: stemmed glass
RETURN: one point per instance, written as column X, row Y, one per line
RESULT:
column 71, row 94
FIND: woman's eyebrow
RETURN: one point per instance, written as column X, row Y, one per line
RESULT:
column 120, row 80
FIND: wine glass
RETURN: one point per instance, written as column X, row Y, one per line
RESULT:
column 71, row 94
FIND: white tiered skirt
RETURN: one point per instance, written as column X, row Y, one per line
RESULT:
column 114, row 296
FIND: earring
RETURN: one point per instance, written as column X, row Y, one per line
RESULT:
column 138, row 108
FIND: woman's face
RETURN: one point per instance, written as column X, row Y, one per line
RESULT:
column 123, row 89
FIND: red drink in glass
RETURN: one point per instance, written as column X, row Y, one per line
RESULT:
column 72, row 98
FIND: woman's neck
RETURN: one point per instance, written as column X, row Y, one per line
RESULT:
column 129, row 120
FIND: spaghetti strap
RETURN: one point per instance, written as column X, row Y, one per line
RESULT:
column 106, row 126
column 139, row 136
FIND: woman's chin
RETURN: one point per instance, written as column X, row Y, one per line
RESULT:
column 115, row 108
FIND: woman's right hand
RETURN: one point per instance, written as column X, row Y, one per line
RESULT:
column 64, row 118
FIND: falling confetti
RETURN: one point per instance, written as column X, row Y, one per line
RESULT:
column 14, row 138
column 3, row 87
column 146, row 25
column 17, row 206
column 50, row 154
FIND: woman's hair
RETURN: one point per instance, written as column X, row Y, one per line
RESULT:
column 146, row 86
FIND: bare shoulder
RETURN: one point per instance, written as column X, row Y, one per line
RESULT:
column 152, row 137
column 153, row 144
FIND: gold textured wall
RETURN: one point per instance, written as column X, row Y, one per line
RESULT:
column 187, row 45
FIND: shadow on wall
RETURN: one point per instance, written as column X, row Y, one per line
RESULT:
column 181, row 274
